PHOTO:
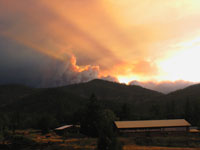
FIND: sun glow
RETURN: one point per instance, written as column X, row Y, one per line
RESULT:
column 126, row 79
column 184, row 65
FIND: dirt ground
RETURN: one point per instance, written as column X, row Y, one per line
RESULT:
column 87, row 143
column 135, row 147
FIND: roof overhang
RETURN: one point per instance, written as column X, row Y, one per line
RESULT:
column 152, row 124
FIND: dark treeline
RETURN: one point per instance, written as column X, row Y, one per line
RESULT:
column 190, row 110
column 18, row 119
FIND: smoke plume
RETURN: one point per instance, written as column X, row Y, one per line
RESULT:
column 23, row 65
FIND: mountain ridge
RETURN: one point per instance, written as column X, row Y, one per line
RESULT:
column 66, row 100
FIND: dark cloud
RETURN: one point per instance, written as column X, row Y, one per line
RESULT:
column 23, row 65
column 44, row 26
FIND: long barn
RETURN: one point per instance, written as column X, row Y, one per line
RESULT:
column 153, row 125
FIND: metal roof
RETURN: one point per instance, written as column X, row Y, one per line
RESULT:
column 67, row 126
column 63, row 127
column 152, row 123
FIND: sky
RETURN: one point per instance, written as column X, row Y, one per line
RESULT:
column 52, row 43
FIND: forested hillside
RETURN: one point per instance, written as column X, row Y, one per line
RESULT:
column 63, row 105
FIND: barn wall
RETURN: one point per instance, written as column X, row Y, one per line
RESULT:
column 162, row 129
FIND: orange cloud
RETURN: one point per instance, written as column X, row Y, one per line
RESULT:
column 124, row 37
column 145, row 68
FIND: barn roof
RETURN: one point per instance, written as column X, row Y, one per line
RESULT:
column 63, row 127
column 67, row 126
column 152, row 123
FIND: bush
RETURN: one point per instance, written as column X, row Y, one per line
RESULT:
column 45, row 123
column 19, row 142
column 109, row 143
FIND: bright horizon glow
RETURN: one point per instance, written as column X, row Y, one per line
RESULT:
column 183, row 65
column 126, row 79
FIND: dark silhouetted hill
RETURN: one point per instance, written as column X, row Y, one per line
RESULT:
column 71, row 97
column 13, row 92
column 112, row 91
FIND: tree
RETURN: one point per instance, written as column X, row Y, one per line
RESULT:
column 188, row 112
column 15, row 121
column 170, row 110
column 91, row 118
column 107, row 139
column 125, row 112
column 155, row 111
column 195, row 120
column 45, row 123
column 3, row 122
column 3, row 127
column 99, row 122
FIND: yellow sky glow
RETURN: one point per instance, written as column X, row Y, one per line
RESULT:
column 183, row 64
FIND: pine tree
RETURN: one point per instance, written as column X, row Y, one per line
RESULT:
column 107, row 137
column 125, row 112
column 91, row 117
column 188, row 113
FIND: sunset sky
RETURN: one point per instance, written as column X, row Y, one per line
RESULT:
column 50, row 43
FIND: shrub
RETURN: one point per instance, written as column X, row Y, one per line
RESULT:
column 19, row 142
